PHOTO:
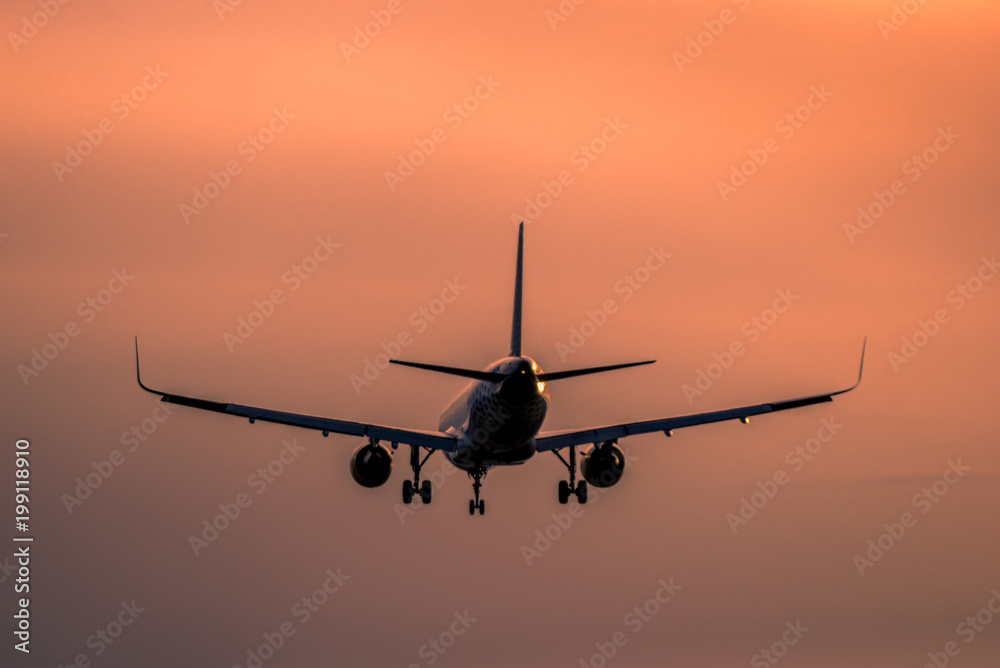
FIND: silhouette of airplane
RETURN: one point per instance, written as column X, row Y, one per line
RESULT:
column 496, row 421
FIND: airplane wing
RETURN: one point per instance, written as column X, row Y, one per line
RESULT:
column 563, row 439
column 432, row 440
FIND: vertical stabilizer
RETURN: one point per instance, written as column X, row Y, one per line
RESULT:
column 515, row 326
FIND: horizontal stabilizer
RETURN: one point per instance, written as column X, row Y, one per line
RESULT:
column 559, row 375
column 455, row 371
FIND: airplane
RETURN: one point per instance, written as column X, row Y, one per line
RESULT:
column 496, row 421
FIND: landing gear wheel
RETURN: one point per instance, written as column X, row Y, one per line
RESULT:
column 571, row 487
column 477, row 475
column 411, row 487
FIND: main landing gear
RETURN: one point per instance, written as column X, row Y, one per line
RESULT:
column 571, row 487
column 477, row 474
column 415, row 486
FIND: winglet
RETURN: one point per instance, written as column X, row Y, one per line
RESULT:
column 137, row 376
column 861, row 368
column 515, row 326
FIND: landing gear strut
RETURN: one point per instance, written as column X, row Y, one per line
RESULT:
column 477, row 474
column 572, row 487
column 414, row 486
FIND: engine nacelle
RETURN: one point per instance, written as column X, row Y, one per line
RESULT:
column 371, row 465
column 603, row 466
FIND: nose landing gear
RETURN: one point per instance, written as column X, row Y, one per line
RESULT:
column 477, row 475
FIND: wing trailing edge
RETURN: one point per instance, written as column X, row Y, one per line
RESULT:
column 564, row 439
column 427, row 439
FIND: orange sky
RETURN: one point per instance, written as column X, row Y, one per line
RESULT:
column 301, row 132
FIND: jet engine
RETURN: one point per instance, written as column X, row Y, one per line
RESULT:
column 604, row 465
column 371, row 465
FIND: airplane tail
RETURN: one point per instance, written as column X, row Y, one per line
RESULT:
column 515, row 342
column 515, row 326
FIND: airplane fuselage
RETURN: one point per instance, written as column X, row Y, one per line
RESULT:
column 496, row 423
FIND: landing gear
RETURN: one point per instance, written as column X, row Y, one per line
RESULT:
column 571, row 487
column 411, row 487
column 477, row 474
